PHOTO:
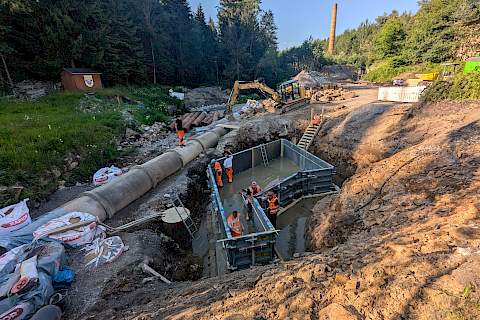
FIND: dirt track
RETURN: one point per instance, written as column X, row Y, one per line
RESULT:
column 401, row 240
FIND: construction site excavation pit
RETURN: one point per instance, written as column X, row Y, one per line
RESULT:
column 292, row 173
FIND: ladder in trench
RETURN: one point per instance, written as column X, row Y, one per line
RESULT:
column 309, row 136
column 263, row 150
column 179, row 207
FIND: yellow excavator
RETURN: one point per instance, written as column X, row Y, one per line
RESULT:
column 289, row 95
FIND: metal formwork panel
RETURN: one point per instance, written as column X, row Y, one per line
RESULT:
column 242, row 161
column 304, row 159
column 315, row 177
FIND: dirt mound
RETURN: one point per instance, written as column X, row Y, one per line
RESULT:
column 311, row 79
column 205, row 96
column 340, row 72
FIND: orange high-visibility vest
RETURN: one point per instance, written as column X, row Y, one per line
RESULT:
column 217, row 166
column 272, row 206
column 253, row 192
column 235, row 225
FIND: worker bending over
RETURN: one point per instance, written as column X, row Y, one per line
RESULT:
column 272, row 208
column 252, row 191
column 228, row 165
column 217, row 167
column 180, row 132
column 235, row 224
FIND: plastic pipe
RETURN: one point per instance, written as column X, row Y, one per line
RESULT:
column 105, row 201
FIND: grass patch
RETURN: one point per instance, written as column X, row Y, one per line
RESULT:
column 155, row 100
column 37, row 137
column 462, row 87
column 386, row 71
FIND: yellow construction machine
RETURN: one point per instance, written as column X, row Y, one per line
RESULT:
column 447, row 74
column 289, row 95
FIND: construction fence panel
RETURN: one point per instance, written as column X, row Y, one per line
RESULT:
column 400, row 94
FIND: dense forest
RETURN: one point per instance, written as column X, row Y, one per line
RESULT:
column 145, row 42
column 141, row 42
column 441, row 31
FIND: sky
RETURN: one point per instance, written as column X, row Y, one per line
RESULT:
column 297, row 20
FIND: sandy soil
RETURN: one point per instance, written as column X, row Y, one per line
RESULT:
column 400, row 241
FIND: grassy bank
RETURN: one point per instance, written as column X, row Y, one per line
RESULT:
column 38, row 139
column 67, row 136
column 461, row 87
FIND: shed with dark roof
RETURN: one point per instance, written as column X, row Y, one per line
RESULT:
column 81, row 79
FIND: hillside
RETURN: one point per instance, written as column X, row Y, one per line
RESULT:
column 441, row 31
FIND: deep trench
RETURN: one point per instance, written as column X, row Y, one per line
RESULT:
column 196, row 198
column 174, row 257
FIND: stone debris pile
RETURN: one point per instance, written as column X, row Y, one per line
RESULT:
column 331, row 93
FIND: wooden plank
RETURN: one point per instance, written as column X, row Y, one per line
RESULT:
column 229, row 126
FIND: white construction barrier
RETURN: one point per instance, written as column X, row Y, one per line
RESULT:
column 400, row 94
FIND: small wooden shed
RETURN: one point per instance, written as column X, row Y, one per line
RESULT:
column 81, row 79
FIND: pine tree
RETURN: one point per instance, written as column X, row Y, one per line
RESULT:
column 123, row 55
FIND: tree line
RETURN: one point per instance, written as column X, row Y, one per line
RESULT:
column 138, row 42
column 441, row 31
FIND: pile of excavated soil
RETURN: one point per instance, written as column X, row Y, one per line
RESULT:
column 205, row 96
column 312, row 79
column 340, row 72
column 400, row 241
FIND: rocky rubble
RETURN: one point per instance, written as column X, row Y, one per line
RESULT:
column 329, row 94
column 34, row 89
column 149, row 141
column 205, row 96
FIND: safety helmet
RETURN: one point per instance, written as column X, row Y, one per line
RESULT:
column 254, row 183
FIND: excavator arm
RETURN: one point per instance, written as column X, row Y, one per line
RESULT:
column 237, row 86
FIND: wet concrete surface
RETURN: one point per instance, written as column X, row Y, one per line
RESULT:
column 277, row 169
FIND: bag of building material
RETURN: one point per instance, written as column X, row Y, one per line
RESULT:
column 25, row 235
column 20, row 311
column 80, row 235
column 104, row 251
column 105, row 175
column 30, row 280
column 14, row 217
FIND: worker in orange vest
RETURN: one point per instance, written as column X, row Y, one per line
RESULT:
column 252, row 191
column 316, row 119
column 272, row 208
column 180, row 132
column 217, row 167
column 235, row 224
column 228, row 165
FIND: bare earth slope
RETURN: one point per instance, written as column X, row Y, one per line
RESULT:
column 400, row 241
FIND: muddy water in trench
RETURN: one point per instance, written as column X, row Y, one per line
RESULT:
column 278, row 169
column 292, row 224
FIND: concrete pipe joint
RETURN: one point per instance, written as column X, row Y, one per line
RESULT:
column 108, row 199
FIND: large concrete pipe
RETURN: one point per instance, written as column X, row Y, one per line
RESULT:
column 108, row 199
